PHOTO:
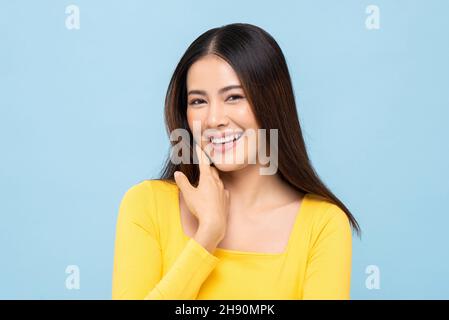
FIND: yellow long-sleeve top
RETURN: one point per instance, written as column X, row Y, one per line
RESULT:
column 155, row 259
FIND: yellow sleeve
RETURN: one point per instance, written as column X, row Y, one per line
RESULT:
column 137, row 271
column 328, row 273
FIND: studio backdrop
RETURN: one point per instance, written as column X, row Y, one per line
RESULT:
column 82, row 89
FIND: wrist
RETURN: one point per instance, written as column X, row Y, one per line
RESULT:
column 207, row 238
column 211, row 231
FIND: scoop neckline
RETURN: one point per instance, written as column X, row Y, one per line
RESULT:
column 248, row 253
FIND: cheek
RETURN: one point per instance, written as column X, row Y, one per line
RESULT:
column 189, row 118
column 194, row 116
column 196, row 122
column 246, row 117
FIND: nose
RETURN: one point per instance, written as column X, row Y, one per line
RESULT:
column 216, row 116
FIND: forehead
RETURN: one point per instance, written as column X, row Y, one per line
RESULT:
column 211, row 73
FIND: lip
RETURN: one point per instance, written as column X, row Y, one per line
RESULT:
column 222, row 147
column 223, row 134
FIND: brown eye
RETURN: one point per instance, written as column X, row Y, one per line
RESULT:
column 235, row 97
column 196, row 102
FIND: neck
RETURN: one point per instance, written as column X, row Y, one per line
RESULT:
column 249, row 190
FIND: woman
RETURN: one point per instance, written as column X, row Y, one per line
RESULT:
column 223, row 230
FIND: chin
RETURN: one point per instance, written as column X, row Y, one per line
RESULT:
column 229, row 167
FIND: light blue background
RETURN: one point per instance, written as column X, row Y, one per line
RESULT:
column 81, row 121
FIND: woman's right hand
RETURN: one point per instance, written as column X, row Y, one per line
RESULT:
column 208, row 202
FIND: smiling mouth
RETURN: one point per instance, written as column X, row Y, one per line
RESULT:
column 226, row 139
column 226, row 143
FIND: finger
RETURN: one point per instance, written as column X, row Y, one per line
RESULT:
column 203, row 160
column 214, row 172
column 183, row 183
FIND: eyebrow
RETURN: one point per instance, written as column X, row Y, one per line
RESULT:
column 222, row 90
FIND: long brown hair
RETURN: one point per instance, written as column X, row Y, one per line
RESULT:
column 261, row 67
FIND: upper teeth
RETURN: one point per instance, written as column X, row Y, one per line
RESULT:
column 225, row 139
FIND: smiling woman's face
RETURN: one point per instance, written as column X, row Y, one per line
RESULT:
column 217, row 103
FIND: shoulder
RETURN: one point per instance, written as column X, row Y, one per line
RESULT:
column 144, row 198
column 147, row 189
column 326, row 218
